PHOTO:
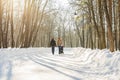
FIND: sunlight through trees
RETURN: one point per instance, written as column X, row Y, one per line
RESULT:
column 32, row 23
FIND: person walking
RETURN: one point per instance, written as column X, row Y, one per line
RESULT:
column 53, row 44
column 59, row 43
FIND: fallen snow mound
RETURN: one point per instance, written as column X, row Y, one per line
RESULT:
column 102, row 61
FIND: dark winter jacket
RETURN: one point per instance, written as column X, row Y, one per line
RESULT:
column 53, row 42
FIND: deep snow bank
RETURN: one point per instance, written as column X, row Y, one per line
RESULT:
column 101, row 58
column 101, row 62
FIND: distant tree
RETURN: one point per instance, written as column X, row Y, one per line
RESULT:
column 109, row 23
column 1, row 32
column 119, row 22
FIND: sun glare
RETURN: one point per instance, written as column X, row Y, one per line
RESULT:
column 18, row 3
column 18, row 6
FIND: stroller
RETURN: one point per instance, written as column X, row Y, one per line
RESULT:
column 61, row 50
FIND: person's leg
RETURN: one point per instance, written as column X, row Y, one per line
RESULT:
column 53, row 50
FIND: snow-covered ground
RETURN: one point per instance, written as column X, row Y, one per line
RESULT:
column 74, row 64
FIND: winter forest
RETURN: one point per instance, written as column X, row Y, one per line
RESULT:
column 59, row 39
column 80, row 23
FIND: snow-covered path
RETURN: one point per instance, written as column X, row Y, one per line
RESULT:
column 40, row 64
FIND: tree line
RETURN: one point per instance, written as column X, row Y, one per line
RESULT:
column 32, row 23
column 22, row 22
column 101, row 28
